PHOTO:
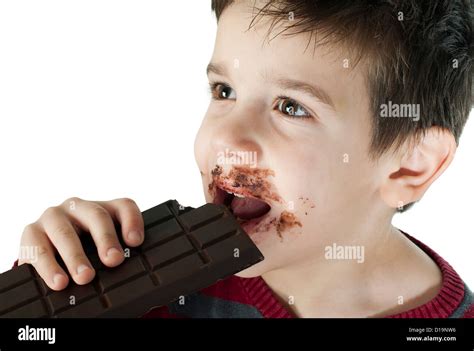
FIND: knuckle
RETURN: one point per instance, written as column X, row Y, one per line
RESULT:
column 51, row 212
column 33, row 253
column 71, row 202
column 42, row 252
column 100, row 213
column 28, row 232
column 63, row 232
column 72, row 199
column 125, row 201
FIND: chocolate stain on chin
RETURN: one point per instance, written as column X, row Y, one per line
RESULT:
column 287, row 220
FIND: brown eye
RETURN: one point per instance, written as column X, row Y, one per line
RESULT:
column 291, row 108
column 222, row 92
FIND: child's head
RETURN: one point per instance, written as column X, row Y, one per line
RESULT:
column 347, row 109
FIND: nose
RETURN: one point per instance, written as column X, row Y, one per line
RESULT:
column 237, row 141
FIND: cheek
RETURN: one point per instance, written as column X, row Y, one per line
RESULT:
column 299, row 172
column 201, row 145
column 311, row 181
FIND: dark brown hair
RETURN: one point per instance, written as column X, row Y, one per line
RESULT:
column 418, row 52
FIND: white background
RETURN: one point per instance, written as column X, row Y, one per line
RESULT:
column 102, row 99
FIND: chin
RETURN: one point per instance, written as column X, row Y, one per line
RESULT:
column 253, row 271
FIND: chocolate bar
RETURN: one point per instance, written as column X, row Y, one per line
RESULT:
column 184, row 250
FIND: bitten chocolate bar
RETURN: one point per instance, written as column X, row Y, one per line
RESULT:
column 184, row 250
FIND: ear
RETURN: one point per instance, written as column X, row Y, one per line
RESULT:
column 413, row 171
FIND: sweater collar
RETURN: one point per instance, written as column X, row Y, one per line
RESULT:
column 442, row 305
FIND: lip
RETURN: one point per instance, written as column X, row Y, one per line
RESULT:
column 238, row 191
column 245, row 181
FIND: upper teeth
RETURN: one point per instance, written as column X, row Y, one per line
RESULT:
column 238, row 195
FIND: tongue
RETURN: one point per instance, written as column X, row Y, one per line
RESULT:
column 248, row 208
column 222, row 197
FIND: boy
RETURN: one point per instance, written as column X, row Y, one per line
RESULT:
column 326, row 118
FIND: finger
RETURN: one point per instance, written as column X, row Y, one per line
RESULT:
column 37, row 250
column 95, row 219
column 63, row 236
column 126, row 212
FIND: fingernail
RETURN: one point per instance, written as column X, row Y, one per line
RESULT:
column 57, row 278
column 113, row 251
column 82, row 268
column 134, row 236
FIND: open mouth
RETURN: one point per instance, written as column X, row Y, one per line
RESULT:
column 245, row 208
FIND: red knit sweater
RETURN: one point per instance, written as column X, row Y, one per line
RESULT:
column 236, row 297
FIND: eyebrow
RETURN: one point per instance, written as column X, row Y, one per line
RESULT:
column 216, row 68
column 313, row 91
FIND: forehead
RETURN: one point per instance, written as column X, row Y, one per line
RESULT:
column 261, row 53
column 236, row 40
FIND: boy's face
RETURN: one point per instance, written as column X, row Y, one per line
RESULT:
column 298, row 128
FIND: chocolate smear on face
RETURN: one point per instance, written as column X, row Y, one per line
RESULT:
column 217, row 171
column 287, row 220
column 253, row 182
column 248, row 181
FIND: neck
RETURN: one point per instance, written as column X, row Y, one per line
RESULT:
column 342, row 287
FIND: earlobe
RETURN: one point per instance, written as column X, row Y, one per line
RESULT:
column 415, row 170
